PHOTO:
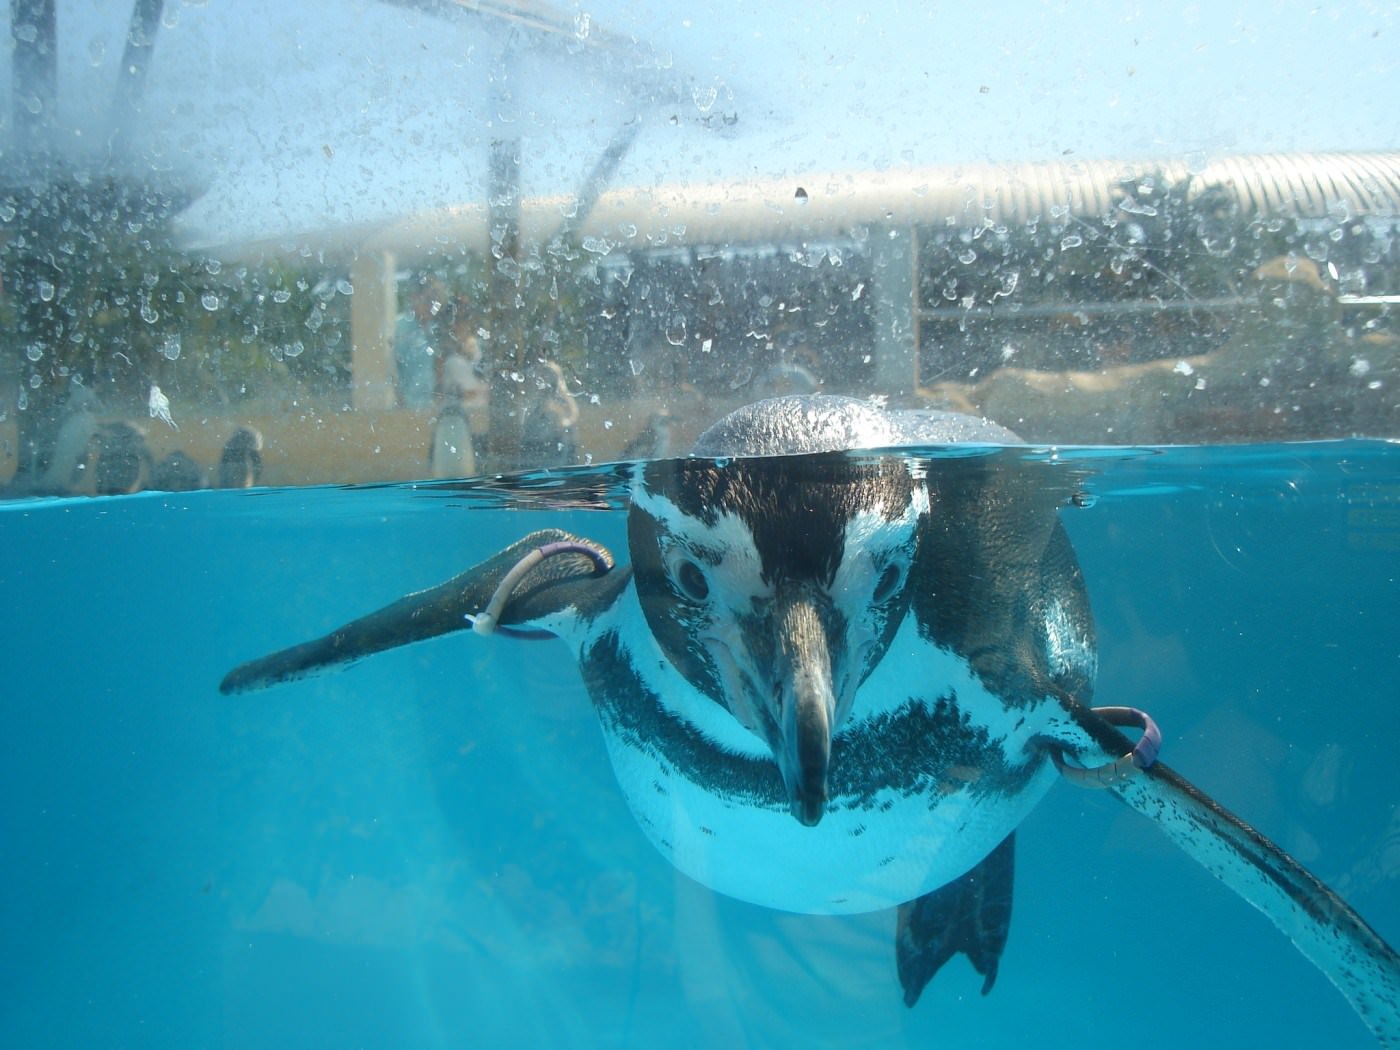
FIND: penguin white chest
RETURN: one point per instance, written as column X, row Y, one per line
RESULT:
column 927, row 776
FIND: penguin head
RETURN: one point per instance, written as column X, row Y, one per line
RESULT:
column 774, row 586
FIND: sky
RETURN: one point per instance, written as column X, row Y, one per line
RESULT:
column 298, row 117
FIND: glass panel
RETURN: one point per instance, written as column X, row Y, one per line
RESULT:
column 1121, row 281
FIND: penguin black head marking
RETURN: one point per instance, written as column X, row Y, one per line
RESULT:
column 774, row 586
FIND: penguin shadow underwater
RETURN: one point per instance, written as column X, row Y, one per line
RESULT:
column 835, row 682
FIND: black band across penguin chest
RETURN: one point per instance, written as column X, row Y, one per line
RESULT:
column 919, row 791
column 919, row 747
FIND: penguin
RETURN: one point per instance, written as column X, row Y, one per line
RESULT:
column 835, row 678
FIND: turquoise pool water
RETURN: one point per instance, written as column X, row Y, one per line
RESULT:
column 428, row 849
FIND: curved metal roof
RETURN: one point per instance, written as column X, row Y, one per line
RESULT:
column 1336, row 186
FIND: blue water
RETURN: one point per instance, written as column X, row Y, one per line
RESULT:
column 428, row 849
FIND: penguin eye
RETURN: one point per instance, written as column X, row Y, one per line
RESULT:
column 691, row 580
column 888, row 582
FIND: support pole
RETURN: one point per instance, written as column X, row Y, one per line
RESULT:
column 373, row 310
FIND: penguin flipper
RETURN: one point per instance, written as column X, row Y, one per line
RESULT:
column 1333, row 937
column 578, row 578
column 971, row 914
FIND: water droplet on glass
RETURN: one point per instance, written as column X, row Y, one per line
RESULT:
column 46, row 291
column 636, row 366
column 34, row 352
column 97, row 51
column 968, row 257
column 675, row 330
column 705, row 97
column 170, row 349
column 281, row 295
column 294, row 349
column 1135, row 207
column 344, row 287
column 1073, row 240
column 159, row 406
column 315, row 318
column 1316, row 250
column 149, row 313
column 209, row 301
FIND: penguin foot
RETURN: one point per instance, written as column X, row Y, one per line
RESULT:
column 971, row 915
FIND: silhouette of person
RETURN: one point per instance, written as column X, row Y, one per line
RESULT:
column 240, row 465
column 460, row 388
column 547, row 434
column 417, row 336
column 178, row 472
column 123, row 460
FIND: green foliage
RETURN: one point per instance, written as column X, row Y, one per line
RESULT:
column 101, row 294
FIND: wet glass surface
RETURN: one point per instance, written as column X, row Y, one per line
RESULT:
column 418, row 277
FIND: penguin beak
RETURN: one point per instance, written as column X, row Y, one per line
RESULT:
column 804, row 702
